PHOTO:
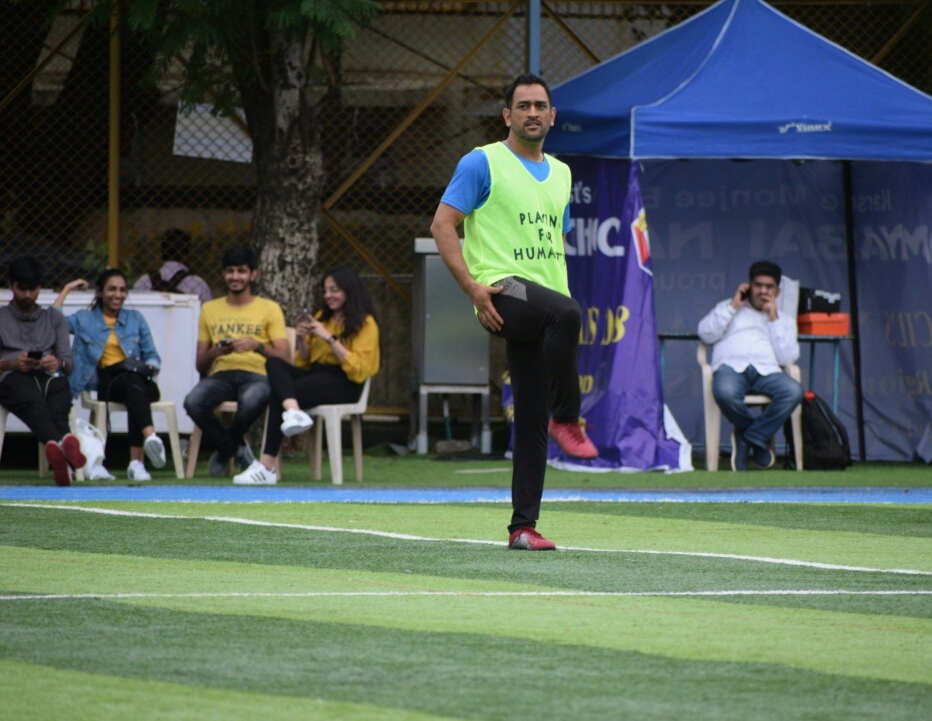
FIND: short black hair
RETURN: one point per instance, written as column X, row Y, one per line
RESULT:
column 525, row 79
column 765, row 267
column 241, row 255
column 26, row 272
column 176, row 244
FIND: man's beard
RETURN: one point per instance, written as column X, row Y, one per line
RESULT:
column 528, row 137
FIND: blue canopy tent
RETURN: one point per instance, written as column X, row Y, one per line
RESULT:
column 742, row 81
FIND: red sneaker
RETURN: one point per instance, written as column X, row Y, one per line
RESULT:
column 572, row 440
column 59, row 464
column 527, row 538
column 72, row 449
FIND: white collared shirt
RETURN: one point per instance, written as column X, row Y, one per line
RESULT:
column 745, row 337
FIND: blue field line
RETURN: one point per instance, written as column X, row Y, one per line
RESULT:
column 283, row 494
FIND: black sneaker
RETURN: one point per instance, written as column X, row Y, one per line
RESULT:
column 216, row 466
column 764, row 456
column 739, row 452
column 244, row 456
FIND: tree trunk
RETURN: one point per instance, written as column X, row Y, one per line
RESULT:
column 290, row 177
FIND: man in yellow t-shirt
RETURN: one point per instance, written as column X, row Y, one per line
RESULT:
column 235, row 335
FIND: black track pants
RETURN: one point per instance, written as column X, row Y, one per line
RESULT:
column 541, row 330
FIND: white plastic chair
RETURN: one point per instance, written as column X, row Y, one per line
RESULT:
column 98, row 409
column 229, row 408
column 332, row 416
column 713, row 414
column 43, row 462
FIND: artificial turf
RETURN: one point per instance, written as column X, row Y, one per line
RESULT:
column 197, row 601
column 450, row 674
column 157, row 610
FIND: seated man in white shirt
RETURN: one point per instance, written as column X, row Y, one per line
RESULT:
column 750, row 342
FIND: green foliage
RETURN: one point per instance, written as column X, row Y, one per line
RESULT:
column 96, row 259
column 226, row 46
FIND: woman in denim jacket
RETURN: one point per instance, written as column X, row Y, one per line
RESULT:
column 105, row 336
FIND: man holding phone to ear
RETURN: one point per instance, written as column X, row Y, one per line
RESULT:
column 35, row 355
column 751, row 341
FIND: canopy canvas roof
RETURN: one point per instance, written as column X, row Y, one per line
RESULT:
column 741, row 80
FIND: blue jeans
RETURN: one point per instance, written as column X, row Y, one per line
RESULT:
column 251, row 393
column 729, row 388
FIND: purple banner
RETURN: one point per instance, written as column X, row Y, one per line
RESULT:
column 609, row 264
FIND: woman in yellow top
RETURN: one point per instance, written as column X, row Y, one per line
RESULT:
column 114, row 354
column 336, row 352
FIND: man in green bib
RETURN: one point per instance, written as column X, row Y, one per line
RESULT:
column 514, row 200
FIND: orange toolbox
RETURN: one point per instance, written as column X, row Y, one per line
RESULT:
column 823, row 323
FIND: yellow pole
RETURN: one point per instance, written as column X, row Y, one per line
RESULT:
column 113, row 175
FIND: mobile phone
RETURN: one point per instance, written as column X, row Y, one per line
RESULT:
column 226, row 341
column 744, row 294
column 37, row 354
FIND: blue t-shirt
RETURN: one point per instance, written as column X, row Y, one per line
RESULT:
column 472, row 181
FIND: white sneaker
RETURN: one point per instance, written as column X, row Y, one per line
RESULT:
column 155, row 451
column 137, row 472
column 256, row 475
column 97, row 472
column 295, row 422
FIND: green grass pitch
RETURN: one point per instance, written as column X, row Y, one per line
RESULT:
column 362, row 611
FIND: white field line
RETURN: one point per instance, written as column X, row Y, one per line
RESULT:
column 474, row 541
column 472, row 471
column 483, row 594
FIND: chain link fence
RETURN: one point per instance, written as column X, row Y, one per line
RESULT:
column 421, row 85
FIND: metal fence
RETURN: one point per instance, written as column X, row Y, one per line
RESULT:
column 421, row 86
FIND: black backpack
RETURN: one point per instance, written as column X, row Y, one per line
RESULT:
column 825, row 440
column 167, row 286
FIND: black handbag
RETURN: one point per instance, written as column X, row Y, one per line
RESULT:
column 132, row 365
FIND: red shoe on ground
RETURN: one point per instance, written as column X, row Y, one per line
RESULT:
column 527, row 538
column 58, row 463
column 572, row 440
column 71, row 446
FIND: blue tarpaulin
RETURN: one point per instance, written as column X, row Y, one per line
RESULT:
column 740, row 80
